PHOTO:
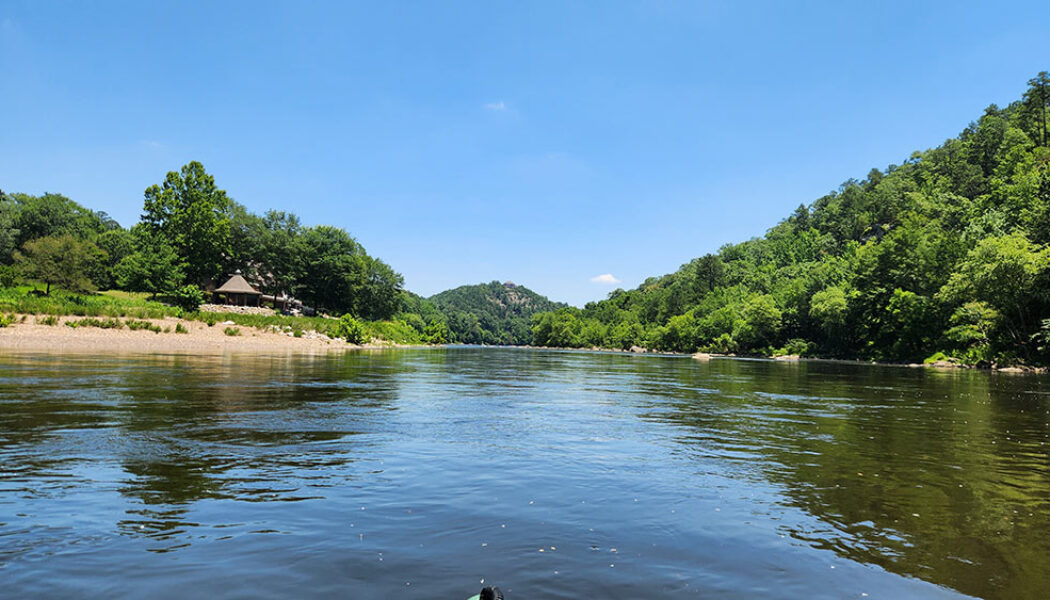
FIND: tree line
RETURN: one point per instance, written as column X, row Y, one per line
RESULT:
column 945, row 255
column 191, row 234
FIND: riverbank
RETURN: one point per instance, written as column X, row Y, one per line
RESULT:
column 705, row 356
column 168, row 335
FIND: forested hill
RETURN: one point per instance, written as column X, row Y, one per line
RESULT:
column 491, row 313
column 945, row 253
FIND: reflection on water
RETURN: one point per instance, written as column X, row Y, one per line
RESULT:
column 422, row 472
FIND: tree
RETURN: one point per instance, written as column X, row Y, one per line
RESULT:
column 117, row 244
column 53, row 215
column 9, row 232
column 281, row 231
column 760, row 322
column 377, row 295
column 62, row 260
column 153, row 267
column 1002, row 272
column 828, row 308
column 192, row 215
column 1034, row 103
column 328, row 268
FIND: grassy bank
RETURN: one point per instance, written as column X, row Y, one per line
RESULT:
column 117, row 304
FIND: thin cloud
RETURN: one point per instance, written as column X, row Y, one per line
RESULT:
column 497, row 106
column 606, row 279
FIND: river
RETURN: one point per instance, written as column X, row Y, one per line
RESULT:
column 429, row 473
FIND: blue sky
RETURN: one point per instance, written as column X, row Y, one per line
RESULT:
column 544, row 142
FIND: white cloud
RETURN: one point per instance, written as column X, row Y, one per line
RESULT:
column 496, row 106
column 606, row 279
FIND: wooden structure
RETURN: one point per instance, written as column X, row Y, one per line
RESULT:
column 237, row 292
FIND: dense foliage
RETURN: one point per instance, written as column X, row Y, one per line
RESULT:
column 491, row 313
column 946, row 252
column 191, row 234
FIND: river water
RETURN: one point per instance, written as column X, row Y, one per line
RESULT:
column 423, row 473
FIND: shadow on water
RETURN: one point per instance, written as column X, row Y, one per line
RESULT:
column 650, row 475
column 941, row 475
column 186, row 429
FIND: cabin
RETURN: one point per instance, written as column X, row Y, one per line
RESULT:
column 237, row 292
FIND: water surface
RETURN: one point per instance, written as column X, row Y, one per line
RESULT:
column 420, row 473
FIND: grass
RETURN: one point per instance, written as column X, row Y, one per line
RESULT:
column 133, row 307
column 19, row 299
column 91, row 322
column 138, row 325
column 232, row 331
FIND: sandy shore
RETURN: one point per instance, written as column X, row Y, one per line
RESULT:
column 30, row 336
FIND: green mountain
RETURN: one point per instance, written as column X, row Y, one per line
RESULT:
column 944, row 254
column 491, row 313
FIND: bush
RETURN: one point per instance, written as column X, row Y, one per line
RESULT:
column 137, row 325
column 8, row 276
column 188, row 297
column 232, row 331
column 180, row 328
column 794, row 346
column 6, row 320
column 100, row 323
column 350, row 329
column 939, row 357
column 50, row 321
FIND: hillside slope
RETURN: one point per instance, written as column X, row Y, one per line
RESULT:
column 946, row 253
column 491, row 313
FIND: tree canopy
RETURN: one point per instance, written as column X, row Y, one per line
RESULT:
column 944, row 252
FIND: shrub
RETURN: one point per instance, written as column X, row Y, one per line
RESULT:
column 350, row 329
column 137, row 325
column 794, row 346
column 6, row 320
column 8, row 276
column 50, row 321
column 232, row 331
column 937, row 357
column 188, row 297
column 180, row 328
column 100, row 323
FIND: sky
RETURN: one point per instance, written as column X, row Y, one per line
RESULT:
column 572, row 147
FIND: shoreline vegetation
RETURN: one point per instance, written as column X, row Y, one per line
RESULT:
column 40, row 322
column 167, row 335
column 941, row 260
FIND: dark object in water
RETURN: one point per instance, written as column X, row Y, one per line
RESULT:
column 488, row 593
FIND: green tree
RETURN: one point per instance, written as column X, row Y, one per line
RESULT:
column 829, row 309
column 153, row 267
column 117, row 244
column 9, row 233
column 328, row 267
column 1033, row 106
column 192, row 215
column 760, row 321
column 973, row 325
column 436, row 332
column 53, row 215
column 1006, row 273
column 62, row 260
